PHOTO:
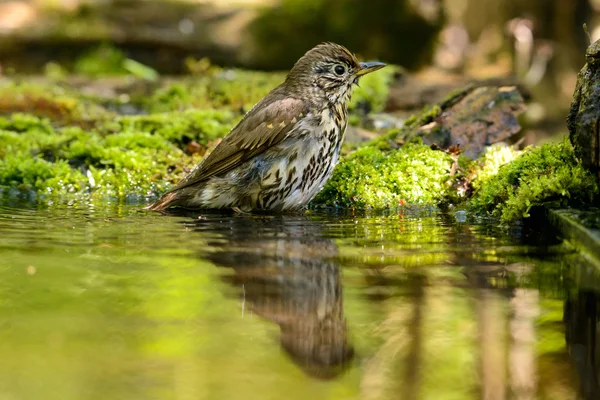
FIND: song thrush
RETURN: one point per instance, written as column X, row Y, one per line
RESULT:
column 283, row 151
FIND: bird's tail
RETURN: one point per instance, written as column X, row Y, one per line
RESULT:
column 171, row 199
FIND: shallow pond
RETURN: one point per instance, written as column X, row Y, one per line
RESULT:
column 115, row 303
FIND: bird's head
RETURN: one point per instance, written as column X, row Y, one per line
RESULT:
column 327, row 73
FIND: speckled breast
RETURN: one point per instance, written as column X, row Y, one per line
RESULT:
column 308, row 167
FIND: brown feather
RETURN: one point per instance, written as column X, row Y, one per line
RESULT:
column 260, row 129
column 164, row 202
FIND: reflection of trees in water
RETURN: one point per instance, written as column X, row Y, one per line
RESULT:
column 477, row 309
column 512, row 362
column 289, row 276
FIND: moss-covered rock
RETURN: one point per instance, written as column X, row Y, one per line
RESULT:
column 59, row 143
column 548, row 173
column 582, row 120
column 373, row 178
column 397, row 168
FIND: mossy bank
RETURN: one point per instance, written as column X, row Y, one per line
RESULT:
column 61, row 141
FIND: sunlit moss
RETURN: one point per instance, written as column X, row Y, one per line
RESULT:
column 178, row 127
column 129, row 163
column 383, row 174
column 486, row 167
column 22, row 172
column 541, row 174
column 373, row 178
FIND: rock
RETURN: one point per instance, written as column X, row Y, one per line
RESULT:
column 476, row 119
column 411, row 93
column 584, row 117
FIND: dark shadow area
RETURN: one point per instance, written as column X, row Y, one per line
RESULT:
column 581, row 335
column 371, row 28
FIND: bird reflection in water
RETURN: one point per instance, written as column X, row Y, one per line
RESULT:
column 289, row 275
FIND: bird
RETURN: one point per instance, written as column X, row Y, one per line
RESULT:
column 283, row 151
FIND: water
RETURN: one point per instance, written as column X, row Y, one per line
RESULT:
column 115, row 303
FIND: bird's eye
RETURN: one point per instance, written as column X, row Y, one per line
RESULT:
column 339, row 69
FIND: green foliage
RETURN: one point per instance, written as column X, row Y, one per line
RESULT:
column 140, row 70
column 375, row 179
column 541, row 174
column 55, row 71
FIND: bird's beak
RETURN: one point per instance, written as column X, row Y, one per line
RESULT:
column 368, row 67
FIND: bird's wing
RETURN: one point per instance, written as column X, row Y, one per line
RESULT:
column 267, row 124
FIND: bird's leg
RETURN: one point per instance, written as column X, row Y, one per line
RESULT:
column 239, row 211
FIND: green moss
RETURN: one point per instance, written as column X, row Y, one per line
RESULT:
column 61, row 162
column 239, row 90
column 20, row 122
column 425, row 116
column 376, row 179
column 489, row 164
column 217, row 88
column 202, row 126
column 394, row 169
column 541, row 174
column 22, row 172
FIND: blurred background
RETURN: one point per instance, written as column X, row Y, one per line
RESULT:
column 440, row 44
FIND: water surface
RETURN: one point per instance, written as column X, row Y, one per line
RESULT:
column 115, row 303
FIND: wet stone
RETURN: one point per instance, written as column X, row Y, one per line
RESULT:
column 479, row 118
